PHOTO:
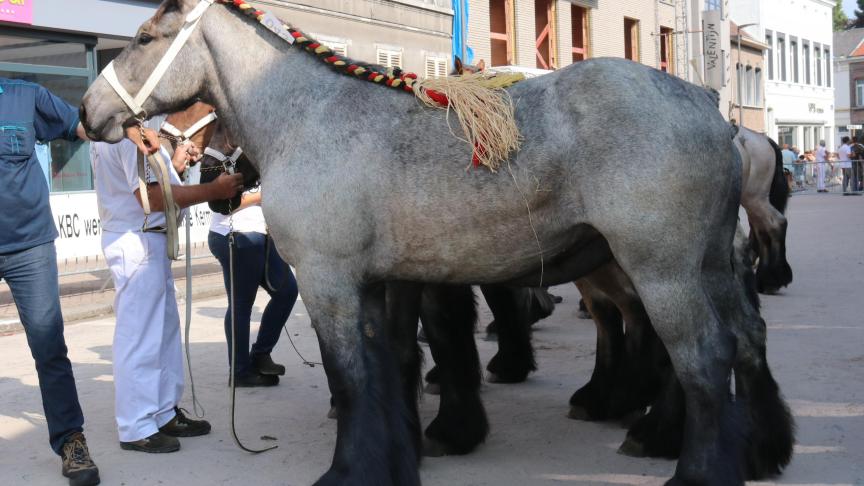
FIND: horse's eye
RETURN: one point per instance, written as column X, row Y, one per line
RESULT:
column 144, row 38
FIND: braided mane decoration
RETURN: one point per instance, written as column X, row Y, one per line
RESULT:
column 485, row 111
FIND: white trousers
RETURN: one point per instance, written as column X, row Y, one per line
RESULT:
column 148, row 356
column 820, row 176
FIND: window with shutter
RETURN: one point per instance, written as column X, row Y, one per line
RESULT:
column 436, row 67
column 390, row 58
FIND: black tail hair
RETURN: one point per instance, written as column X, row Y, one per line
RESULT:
column 779, row 195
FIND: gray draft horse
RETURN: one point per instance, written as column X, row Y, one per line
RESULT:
column 764, row 197
column 363, row 186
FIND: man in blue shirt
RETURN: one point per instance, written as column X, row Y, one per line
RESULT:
column 28, row 260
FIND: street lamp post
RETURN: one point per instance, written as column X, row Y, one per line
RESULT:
column 740, row 75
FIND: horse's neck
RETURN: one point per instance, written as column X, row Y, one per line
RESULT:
column 265, row 89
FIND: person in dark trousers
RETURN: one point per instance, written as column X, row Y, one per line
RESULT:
column 256, row 265
column 28, row 260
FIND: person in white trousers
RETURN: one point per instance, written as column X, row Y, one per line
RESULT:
column 147, row 353
column 821, row 160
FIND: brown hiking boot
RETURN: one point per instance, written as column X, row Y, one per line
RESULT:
column 78, row 466
column 157, row 443
column 183, row 426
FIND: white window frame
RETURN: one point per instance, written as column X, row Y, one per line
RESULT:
column 859, row 93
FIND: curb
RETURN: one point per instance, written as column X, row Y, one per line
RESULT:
column 14, row 326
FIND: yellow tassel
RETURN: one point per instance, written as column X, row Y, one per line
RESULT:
column 359, row 71
column 245, row 6
column 339, row 63
column 396, row 83
column 321, row 49
column 379, row 78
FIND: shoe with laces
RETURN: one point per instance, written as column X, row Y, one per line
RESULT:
column 183, row 426
column 263, row 364
column 78, row 466
column 157, row 443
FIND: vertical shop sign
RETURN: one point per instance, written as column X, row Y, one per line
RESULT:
column 19, row 11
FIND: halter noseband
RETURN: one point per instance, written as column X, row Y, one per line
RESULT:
column 229, row 162
column 184, row 135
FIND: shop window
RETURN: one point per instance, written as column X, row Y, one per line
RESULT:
column 545, row 34
column 501, row 32
column 631, row 39
column 579, row 21
column 667, row 49
column 40, row 51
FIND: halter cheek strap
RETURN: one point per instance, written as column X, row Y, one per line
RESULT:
column 135, row 103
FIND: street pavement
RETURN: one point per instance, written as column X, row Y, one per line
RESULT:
column 815, row 347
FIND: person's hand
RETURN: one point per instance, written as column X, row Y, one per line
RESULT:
column 227, row 186
column 185, row 155
column 149, row 144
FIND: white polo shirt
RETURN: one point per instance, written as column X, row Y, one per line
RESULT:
column 115, row 175
column 844, row 153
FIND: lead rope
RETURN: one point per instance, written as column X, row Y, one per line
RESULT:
column 232, row 385
column 196, row 404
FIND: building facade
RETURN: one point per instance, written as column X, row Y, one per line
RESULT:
column 550, row 34
column 799, row 81
column 848, row 67
column 747, row 102
column 64, row 44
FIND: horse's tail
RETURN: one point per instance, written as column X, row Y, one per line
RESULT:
column 779, row 194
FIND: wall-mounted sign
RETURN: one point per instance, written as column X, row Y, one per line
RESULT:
column 19, row 11
column 854, row 127
column 813, row 108
column 715, row 58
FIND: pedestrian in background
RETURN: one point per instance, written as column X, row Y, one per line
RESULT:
column 28, row 260
column 821, row 161
column 844, row 156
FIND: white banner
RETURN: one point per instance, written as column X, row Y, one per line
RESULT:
column 76, row 217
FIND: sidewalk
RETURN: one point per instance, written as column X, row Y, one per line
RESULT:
column 815, row 327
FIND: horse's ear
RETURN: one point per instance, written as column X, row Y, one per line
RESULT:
column 458, row 67
column 481, row 66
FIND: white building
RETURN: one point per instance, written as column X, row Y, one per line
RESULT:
column 799, row 87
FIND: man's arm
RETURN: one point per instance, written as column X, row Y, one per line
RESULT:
column 224, row 187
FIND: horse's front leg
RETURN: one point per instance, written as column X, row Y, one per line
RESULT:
column 374, row 442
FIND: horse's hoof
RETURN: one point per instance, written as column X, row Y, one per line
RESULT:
column 578, row 413
column 433, row 448
column 770, row 291
column 633, row 448
column 332, row 413
column 432, row 389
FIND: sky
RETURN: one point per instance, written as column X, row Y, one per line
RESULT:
column 849, row 7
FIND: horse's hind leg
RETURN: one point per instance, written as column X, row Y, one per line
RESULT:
column 769, row 228
column 374, row 429
column 591, row 402
column 449, row 316
column 702, row 350
column 515, row 357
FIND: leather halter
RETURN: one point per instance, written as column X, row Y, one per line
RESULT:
column 135, row 103
column 183, row 135
column 229, row 162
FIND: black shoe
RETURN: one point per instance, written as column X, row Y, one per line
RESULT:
column 157, row 443
column 556, row 298
column 264, row 364
column 183, row 426
column 78, row 466
column 255, row 379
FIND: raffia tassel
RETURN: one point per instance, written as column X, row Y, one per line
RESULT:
column 485, row 113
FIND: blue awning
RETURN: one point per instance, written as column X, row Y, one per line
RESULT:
column 460, row 32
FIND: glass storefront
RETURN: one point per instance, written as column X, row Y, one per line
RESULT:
column 65, row 66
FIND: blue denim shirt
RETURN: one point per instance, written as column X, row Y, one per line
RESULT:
column 28, row 112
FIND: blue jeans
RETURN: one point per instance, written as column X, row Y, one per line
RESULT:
column 32, row 278
column 249, row 268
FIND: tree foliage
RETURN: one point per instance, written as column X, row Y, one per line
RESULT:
column 841, row 21
column 859, row 14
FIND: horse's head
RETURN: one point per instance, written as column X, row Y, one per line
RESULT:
column 137, row 70
column 196, row 124
column 221, row 155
